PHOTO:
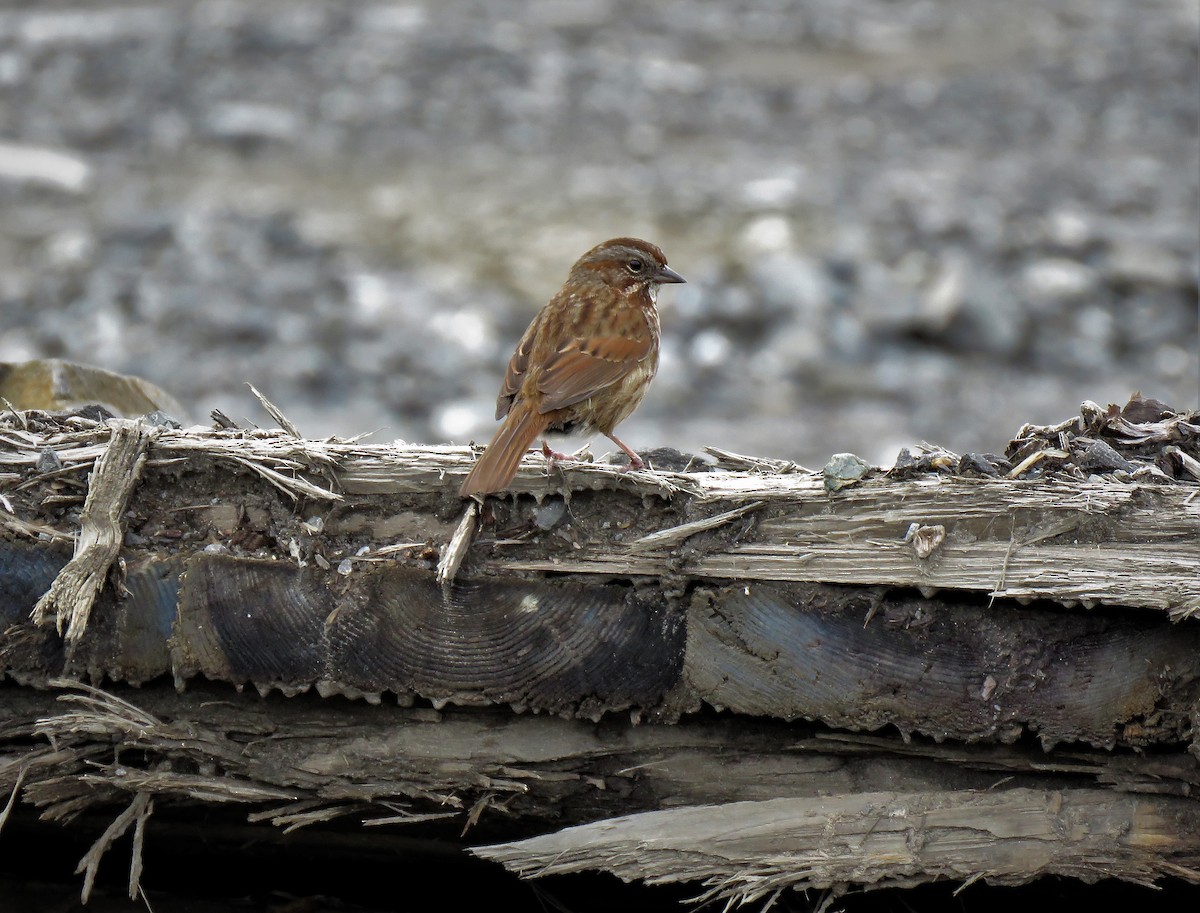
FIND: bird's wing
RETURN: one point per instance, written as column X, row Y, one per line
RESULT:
column 517, row 366
column 583, row 367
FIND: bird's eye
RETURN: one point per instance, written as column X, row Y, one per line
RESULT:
column 635, row 266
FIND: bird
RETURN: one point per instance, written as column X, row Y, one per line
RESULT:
column 585, row 361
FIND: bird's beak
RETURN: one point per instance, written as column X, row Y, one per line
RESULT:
column 666, row 275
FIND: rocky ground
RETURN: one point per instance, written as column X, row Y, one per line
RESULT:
column 900, row 221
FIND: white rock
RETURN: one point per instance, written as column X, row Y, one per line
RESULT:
column 93, row 27
column 945, row 296
column 777, row 191
column 768, row 235
column 247, row 120
column 1134, row 263
column 47, row 167
column 1068, row 229
column 392, row 19
column 1058, row 279
column 457, row 420
column 710, row 348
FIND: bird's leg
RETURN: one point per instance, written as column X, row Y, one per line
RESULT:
column 635, row 461
column 553, row 457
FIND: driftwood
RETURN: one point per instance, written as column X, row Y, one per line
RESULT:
column 754, row 849
column 69, row 600
column 1021, row 621
column 742, row 809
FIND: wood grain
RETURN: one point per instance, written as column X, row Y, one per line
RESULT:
column 745, row 851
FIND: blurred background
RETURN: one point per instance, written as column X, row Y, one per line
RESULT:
column 900, row 221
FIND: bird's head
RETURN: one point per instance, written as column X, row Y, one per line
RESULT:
column 629, row 265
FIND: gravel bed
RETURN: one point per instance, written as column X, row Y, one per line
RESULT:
column 900, row 222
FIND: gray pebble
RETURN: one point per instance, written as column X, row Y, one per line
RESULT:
column 1100, row 457
column 550, row 513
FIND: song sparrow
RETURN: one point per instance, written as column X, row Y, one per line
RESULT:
column 584, row 363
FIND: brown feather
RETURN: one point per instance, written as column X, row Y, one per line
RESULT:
column 586, row 367
column 496, row 468
column 517, row 366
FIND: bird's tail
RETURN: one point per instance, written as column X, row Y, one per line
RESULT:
column 496, row 468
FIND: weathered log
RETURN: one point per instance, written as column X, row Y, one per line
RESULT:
column 746, row 586
column 936, row 666
column 745, row 851
column 305, row 761
column 236, row 582
column 1128, row 541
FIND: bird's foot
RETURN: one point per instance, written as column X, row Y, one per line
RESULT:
column 635, row 461
column 553, row 457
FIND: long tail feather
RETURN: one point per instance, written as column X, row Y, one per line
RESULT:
column 496, row 468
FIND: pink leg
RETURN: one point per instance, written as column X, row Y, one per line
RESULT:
column 552, row 456
column 635, row 461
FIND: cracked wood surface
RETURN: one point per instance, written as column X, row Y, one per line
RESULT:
column 736, row 803
column 743, row 851
column 852, row 657
column 1092, row 542
column 1095, row 541
column 68, row 602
